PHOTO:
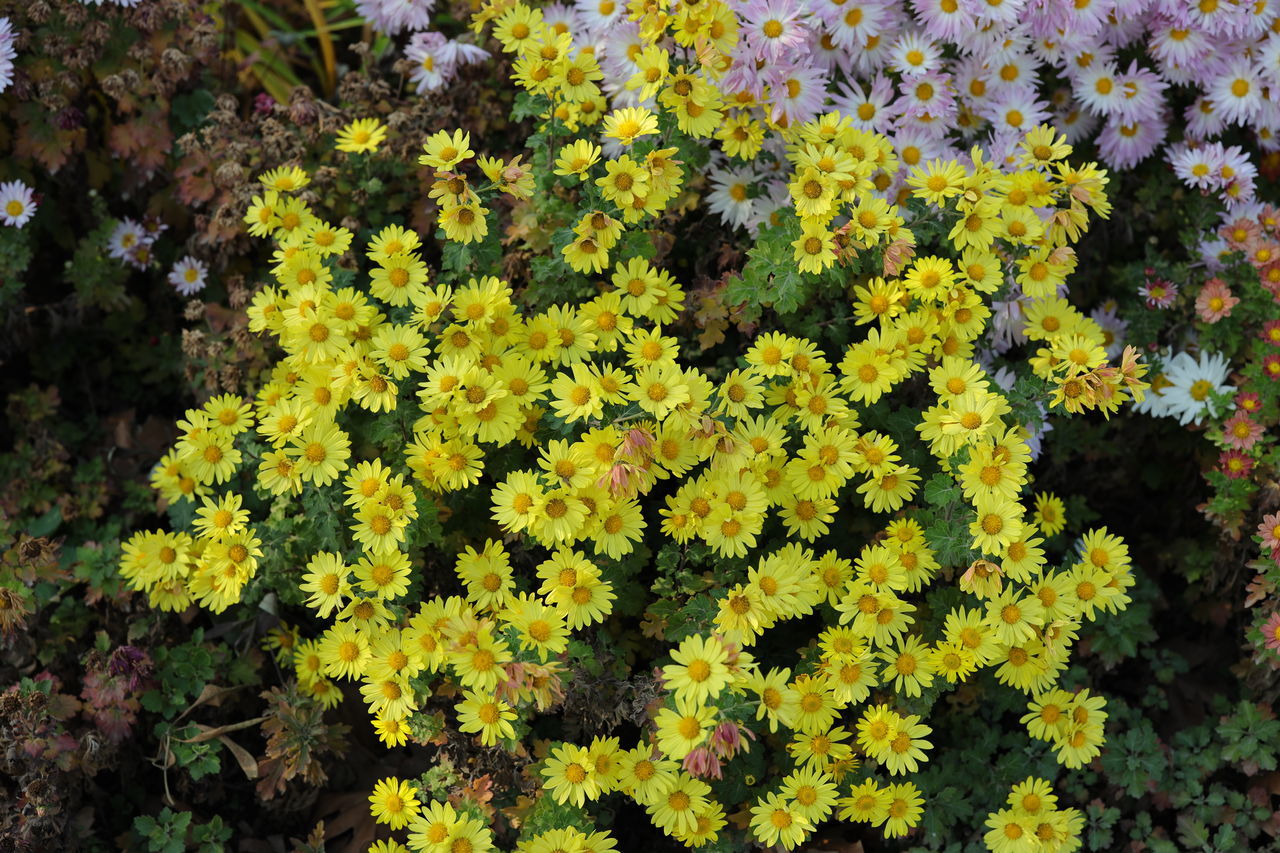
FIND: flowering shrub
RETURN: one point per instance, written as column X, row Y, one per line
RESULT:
column 744, row 464
column 928, row 74
column 715, row 439
column 1225, row 383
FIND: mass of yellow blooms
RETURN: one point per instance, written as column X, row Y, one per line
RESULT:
column 591, row 432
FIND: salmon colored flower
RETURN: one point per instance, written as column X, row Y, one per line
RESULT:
column 1271, row 632
column 1269, row 530
column 1240, row 432
column 1215, row 301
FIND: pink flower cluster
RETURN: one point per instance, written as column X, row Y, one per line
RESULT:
column 1253, row 231
column 436, row 59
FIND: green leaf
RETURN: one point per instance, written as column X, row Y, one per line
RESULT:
column 47, row 523
column 770, row 278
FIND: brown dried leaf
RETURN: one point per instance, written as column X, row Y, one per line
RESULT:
column 243, row 757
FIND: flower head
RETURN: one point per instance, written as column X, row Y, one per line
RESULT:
column 17, row 203
column 361, row 136
column 188, row 276
column 1215, row 301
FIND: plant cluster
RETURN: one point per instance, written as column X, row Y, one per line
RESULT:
column 566, row 423
column 643, row 426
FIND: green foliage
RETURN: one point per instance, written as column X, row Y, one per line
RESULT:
column 183, row 671
column 770, row 278
column 1253, row 737
column 15, row 257
column 174, row 832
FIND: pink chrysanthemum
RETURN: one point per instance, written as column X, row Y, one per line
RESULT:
column 1240, row 233
column 1271, row 332
column 1248, row 401
column 1158, row 292
column 1235, row 464
column 1271, row 366
column 1262, row 253
column 1271, row 632
column 774, row 29
column 1215, row 301
column 1269, row 530
column 1270, row 278
column 1241, row 432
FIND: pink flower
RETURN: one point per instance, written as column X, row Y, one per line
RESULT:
column 1215, row 301
column 636, row 440
column 1235, row 464
column 1271, row 332
column 1269, row 276
column 1271, row 366
column 702, row 763
column 1158, row 292
column 1271, row 632
column 1269, row 219
column 1240, row 233
column 1240, row 432
column 726, row 740
column 1248, row 401
column 1262, row 254
column 1269, row 530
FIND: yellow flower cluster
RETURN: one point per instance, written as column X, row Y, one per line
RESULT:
column 1031, row 822
column 547, row 62
column 212, row 567
column 597, row 408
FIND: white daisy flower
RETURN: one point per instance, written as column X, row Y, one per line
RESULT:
column 7, row 53
column 1192, row 384
column 1197, row 167
column 127, row 236
column 188, row 276
column 1237, row 92
column 731, row 195
column 1155, row 403
column 17, row 205
column 1098, row 88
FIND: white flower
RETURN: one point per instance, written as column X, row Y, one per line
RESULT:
column 731, row 194
column 188, row 276
column 17, row 205
column 1113, row 328
column 1192, row 383
column 7, row 53
column 126, row 237
column 1155, row 403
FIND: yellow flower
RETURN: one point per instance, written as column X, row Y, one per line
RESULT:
column 570, row 775
column 777, row 820
column 1050, row 514
column 360, row 136
column 486, row 715
column 700, row 672
column 630, row 123
column 814, row 248
column 394, row 802
column 443, row 150
column 392, row 732
column 624, row 181
column 286, row 179
column 464, row 223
